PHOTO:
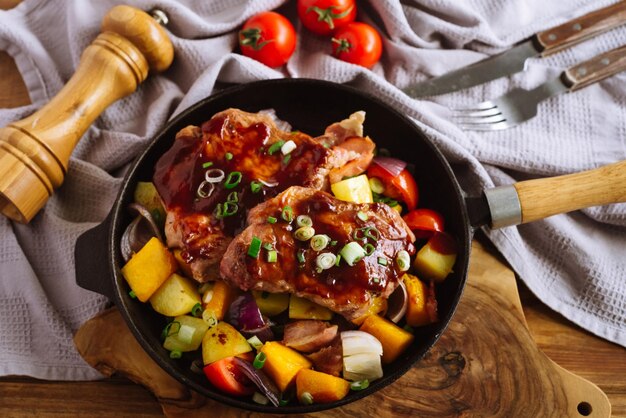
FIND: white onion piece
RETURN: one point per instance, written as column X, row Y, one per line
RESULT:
column 288, row 147
column 214, row 175
column 362, row 366
column 359, row 342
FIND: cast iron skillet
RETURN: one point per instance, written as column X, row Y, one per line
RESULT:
column 309, row 106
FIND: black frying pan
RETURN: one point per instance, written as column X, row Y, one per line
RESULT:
column 309, row 106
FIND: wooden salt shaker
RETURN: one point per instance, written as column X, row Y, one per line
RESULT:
column 35, row 151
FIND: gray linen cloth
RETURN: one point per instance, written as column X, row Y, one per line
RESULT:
column 575, row 263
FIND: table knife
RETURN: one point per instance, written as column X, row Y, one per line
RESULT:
column 512, row 61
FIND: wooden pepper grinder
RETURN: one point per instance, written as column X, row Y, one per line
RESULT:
column 35, row 151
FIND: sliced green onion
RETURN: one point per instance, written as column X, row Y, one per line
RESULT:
column 300, row 255
column 233, row 197
column 306, row 398
column 205, row 286
column 338, row 260
column 376, row 280
column 167, row 331
column 352, row 253
column 197, row 310
column 287, row 214
column 288, row 147
column 229, row 209
column 304, row 220
column 403, row 260
column 360, row 385
column 382, row 261
column 255, row 186
column 209, row 317
column 271, row 220
column 362, row 216
column 207, row 164
column 372, row 233
column 233, row 179
column 254, row 248
column 287, row 159
column 283, row 402
column 255, row 342
column 319, row 242
column 205, row 189
column 325, row 261
column 275, row 147
column 185, row 334
column 132, row 294
column 272, row 256
column 267, row 246
column 176, row 354
column 260, row 399
column 228, row 156
column 376, row 185
column 259, row 360
column 214, row 175
column 218, row 212
column 369, row 249
column 304, row 233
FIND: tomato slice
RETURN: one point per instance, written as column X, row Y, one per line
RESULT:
column 402, row 186
column 227, row 377
column 424, row 222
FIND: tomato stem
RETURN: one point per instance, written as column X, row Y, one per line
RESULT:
column 327, row 15
column 343, row 45
column 251, row 37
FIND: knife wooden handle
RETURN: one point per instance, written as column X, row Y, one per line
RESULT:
column 596, row 69
column 581, row 28
column 549, row 196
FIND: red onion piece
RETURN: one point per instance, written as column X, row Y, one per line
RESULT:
column 391, row 165
column 244, row 313
column 260, row 379
column 263, row 333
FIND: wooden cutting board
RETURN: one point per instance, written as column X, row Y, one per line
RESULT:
column 485, row 364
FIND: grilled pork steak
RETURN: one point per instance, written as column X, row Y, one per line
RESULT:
column 203, row 214
column 347, row 290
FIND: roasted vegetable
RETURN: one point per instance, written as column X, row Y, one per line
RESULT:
column 393, row 338
column 356, row 189
column 223, row 341
column 185, row 333
column 422, row 307
column 322, row 387
column 361, row 356
column 146, row 271
column 176, row 296
column 434, row 261
column 271, row 304
column 147, row 196
column 223, row 296
column 282, row 363
column 301, row 308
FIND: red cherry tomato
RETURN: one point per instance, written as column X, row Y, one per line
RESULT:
column 324, row 16
column 401, row 187
column 268, row 37
column 424, row 222
column 358, row 43
column 226, row 376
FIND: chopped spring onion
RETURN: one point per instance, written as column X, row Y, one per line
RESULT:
column 287, row 159
column 259, row 360
column 272, row 256
column 271, row 220
column 207, row 164
column 209, row 317
column 176, row 354
column 233, row 197
column 205, row 189
column 185, row 334
column 376, row 280
column 403, row 260
column 205, row 286
column 300, row 255
column 287, row 214
column 304, row 233
column 255, row 342
column 304, row 220
column 283, row 402
column 268, row 246
column 306, row 398
column 382, row 261
column 223, row 210
column 255, row 186
column 288, row 147
column 214, row 175
column 233, row 179
column 275, row 147
column 228, row 156
column 376, row 185
column 167, row 331
column 372, row 233
column 319, row 242
column 352, row 253
column 326, row 260
column 254, row 248
column 338, row 260
column 369, row 249
column 132, row 294
column 197, row 310
column 260, row 399
column 360, row 385
column 333, row 243
column 362, row 216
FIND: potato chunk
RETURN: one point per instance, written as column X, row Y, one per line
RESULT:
column 222, row 341
column 177, row 296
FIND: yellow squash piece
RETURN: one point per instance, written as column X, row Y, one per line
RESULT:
column 355, row 189
column 271, row 304
column 393, row 338
column 177, row 296
column 417, row 312
column 282, row 364
column 147, row 196
column 222, row 341
column 147, row 269
column 301, row 308
column 323, row 387
column 223, row 295
column 378, row 305
column 435, row 260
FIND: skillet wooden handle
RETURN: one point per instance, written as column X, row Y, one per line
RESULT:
column 545, row 197
column 35, row 151
column 596, row 69
column 581, row 28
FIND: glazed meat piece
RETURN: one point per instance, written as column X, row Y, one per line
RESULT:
column 346, row 289
column 214, row 173
column 309, row 335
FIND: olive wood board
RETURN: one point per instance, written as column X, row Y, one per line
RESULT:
column 485, row 364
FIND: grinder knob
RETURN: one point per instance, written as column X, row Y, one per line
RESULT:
column 35, row 151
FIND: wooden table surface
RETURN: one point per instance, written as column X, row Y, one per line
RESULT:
column 568, row 345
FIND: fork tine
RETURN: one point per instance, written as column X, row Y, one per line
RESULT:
column 467, row 119
column 488, row 104
column 486, row 127
column 476, row 113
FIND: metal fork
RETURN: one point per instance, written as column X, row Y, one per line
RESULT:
column 519, row 105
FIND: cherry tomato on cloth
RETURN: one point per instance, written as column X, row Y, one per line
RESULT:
column 324, row 16
column 357, row 43
column 268, row 37
column 424, row 222
column 224, row 375
column 402, row 187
